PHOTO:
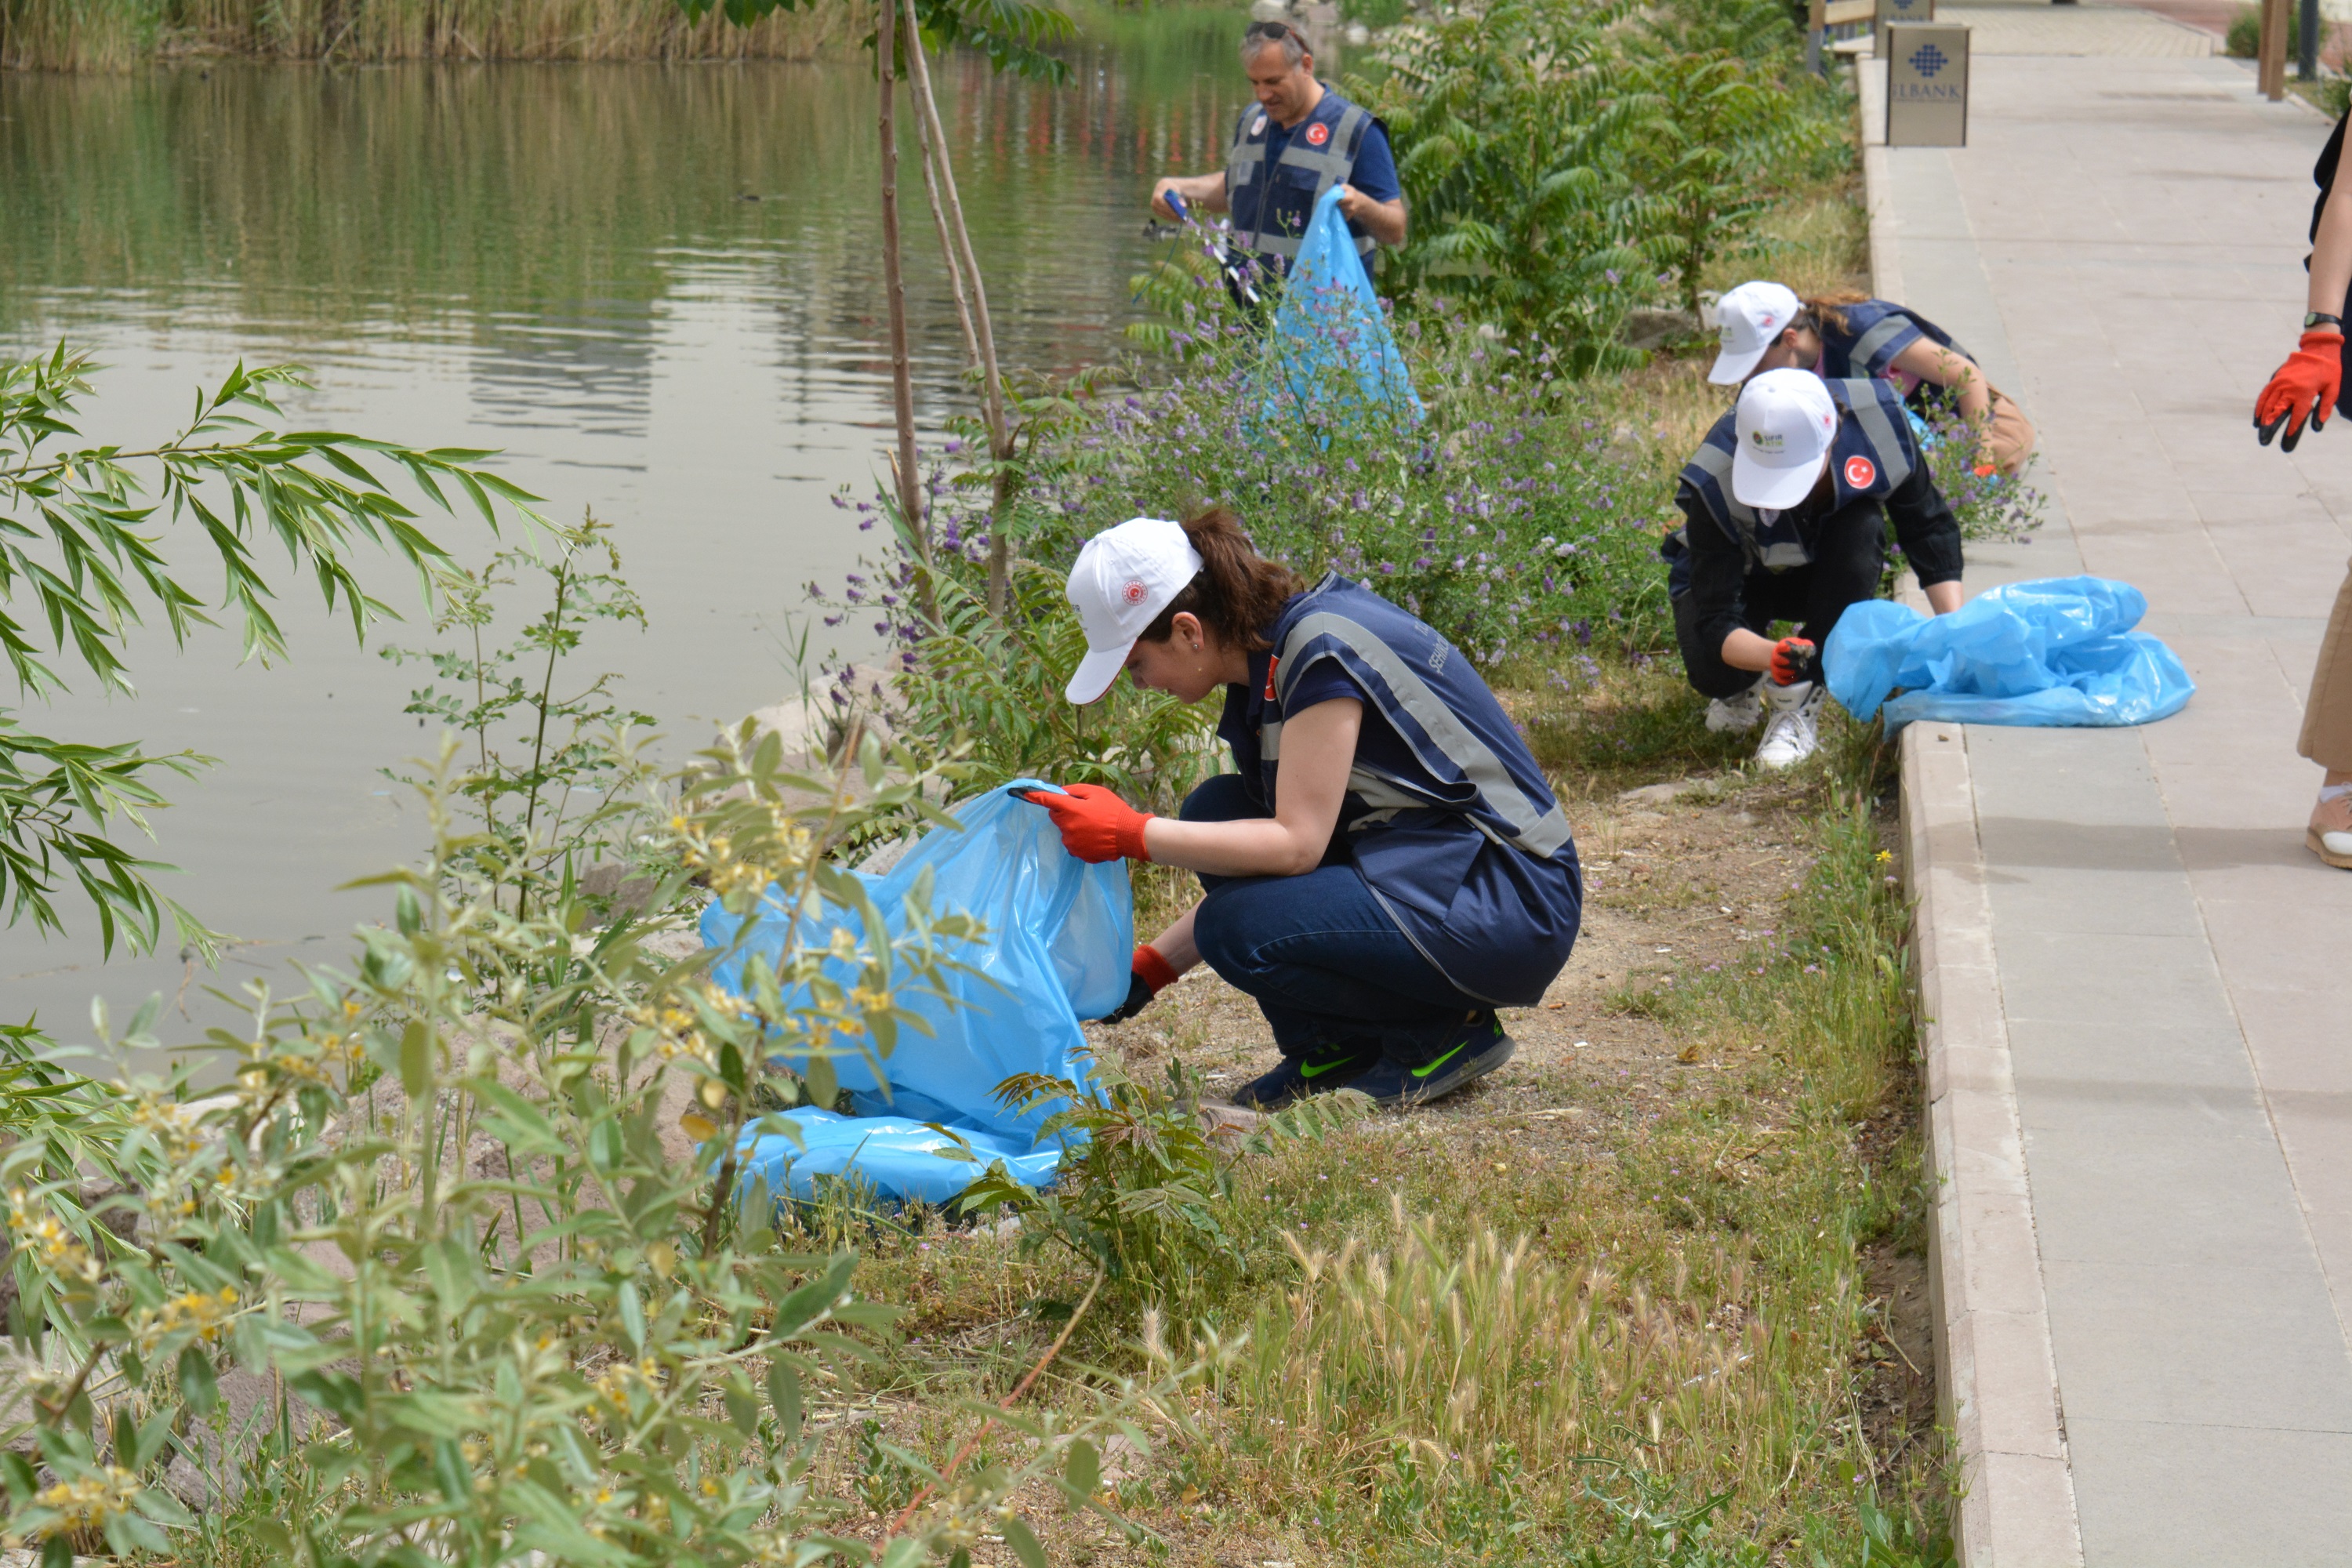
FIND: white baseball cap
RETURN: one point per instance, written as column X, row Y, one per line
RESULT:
column 1753, row 315
column 1785, row 423
column 1124, row 576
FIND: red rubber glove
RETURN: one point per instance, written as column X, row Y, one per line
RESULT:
column 1794, row 659
column 1095, row 825
column 2304, row 387
column 1149, row 974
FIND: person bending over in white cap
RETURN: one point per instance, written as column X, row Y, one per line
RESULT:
column 1785, row 509
column 1387, row 868
column 1764, row 326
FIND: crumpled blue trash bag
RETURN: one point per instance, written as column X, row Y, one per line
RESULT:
column 1329, row 326
column 897, row 1156
column 2058, row 652
column 1060, row 939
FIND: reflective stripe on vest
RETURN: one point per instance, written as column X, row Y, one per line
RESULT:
column 1331, row 165
column 1780, row 554
column 1534, row 829
column 1866, row 347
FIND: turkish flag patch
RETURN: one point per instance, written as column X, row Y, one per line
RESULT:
column 1318, row 134
column 1269, row 675
column 1859, row 473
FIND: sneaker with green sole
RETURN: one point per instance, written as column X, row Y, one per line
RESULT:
column 1483, row 1048
column 1319, row 1072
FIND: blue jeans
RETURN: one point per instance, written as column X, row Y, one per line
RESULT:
column 1326, row 964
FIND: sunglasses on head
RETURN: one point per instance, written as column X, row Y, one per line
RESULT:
column 1273, row 31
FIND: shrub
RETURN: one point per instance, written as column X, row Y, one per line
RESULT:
column 1511, row 126
column 485, row 1304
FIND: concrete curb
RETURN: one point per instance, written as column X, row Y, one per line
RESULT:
column 1996, row 1377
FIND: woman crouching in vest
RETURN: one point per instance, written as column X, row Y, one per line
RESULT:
column 1785, row 509
column 1766, row 327
column 1387, row 868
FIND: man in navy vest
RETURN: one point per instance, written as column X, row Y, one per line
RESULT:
column 1296, row 142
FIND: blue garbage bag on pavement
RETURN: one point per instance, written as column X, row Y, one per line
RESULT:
column 2059, row 651
column 1331, row 346
column 1059, row 937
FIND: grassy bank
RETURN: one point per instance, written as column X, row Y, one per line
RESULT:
column 115, row 34
column 1652, row 1294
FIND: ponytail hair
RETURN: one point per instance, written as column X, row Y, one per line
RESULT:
column 1828, row 310
column 1238, row 592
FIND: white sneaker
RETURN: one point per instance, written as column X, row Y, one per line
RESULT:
column 1793, row 728
column 1737, row 714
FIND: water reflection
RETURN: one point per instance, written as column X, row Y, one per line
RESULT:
column 655, row 287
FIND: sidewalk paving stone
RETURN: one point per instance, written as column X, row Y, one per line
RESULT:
column 2165, row 1049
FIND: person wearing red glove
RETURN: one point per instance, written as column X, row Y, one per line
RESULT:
column 2302, row 395
column 1785, row 509
column 1387, row 868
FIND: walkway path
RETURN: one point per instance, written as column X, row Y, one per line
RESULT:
column 2120, row 243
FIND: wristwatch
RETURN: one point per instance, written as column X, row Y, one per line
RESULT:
column 2317, row 317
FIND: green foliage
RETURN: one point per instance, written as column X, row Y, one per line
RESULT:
column 1511, row 126
column 491, row 1306
column 1564, row 159
column 1716, row 147
column 1988, row 505
column 577, row 757
column 80, row 539
column 2245, row 38
column 1014, row 34
column 1143, row 1198
column 994, row 688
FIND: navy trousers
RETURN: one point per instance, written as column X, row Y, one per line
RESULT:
column 1326, row 964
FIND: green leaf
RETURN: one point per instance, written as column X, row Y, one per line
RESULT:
column 1024, row 1543
column 806, row 1305
column 198, row 1386
column 1083, row 1469
column 416, row 1058
column 633, row 1316
column 784, row 1399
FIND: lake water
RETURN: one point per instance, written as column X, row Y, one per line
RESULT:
column 561, row 262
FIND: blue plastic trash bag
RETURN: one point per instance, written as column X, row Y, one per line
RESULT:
column 1060, row 934
column 1329, row 324
column 2056, row 652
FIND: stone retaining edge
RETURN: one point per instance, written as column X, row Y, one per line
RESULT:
column 1996, row 1376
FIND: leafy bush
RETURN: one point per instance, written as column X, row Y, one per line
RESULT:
column 1511, row 126
column 77, row 539
column 1565, row 160
column 576, row 758
column 436, row 1260
column 1143, row 1198
column 2245, row 38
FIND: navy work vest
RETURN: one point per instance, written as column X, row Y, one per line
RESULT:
column 1875, row 452
column 1447, row 817
column 1876, row 331
column 1270, row 207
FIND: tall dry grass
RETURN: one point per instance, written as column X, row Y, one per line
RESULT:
column 1478, row 1360
column 115, row 34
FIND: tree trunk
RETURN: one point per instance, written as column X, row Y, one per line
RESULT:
column 902, row 378
column 939, row 222
column 991, row 384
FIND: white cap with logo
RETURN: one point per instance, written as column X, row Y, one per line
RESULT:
column 1751, row 316
column 1124, row 576
column 1785, row 423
